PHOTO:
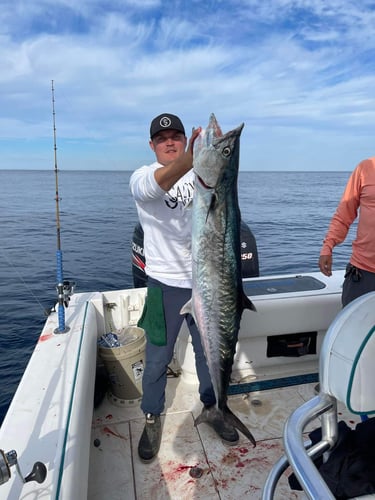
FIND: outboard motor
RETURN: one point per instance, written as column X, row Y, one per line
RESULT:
column 249, row 255
column 138, row 258
column 249, row 252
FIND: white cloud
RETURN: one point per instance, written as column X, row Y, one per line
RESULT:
column 291, row 70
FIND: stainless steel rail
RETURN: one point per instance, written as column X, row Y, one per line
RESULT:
column 299, row 455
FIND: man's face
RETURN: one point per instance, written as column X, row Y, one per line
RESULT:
column 168, row 145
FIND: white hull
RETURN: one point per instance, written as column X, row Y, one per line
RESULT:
column 51, row 417
column 277, row 314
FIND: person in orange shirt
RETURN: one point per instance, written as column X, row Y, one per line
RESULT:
column 358, row 200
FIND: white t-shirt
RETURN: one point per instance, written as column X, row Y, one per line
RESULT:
column 166, row 221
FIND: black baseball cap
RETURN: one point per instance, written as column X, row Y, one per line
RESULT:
column 166, row 121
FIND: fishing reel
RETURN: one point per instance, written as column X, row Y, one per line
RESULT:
column 64, row 291
column 7, row 460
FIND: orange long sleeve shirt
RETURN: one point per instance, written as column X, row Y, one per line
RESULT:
column 358, row 198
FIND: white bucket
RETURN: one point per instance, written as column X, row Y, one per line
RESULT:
column 125, row 366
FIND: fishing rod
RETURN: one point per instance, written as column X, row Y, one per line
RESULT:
column 64, row 288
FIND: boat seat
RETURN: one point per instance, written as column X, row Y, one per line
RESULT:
column 346, row 374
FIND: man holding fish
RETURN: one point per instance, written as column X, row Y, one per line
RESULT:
column 163, row 192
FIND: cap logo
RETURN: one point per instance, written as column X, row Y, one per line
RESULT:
column 165, row 122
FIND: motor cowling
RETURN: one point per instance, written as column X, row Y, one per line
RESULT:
column 138, row 258
column 249, row 252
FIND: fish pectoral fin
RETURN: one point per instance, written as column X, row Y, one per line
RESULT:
column 212, row 205
column 213, row 201
column 187, row 308
column 247, row 304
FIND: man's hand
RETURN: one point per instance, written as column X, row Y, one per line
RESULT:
column 325, row 264
column 194, row 135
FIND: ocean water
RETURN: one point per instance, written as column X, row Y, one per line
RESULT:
column 288, row 213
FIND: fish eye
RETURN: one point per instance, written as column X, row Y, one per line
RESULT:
column 226, row 151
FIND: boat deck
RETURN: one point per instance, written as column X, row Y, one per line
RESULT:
column 228, row 472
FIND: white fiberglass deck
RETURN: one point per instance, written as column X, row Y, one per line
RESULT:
column 229, row 473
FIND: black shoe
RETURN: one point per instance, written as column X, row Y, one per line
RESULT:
column 213, row 417
column 149, row 443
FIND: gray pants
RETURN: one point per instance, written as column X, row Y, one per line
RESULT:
column 158, row 357
column 357, row 282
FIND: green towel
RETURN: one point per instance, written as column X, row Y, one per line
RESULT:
column 153, row 319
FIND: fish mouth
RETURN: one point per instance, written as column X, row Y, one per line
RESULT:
column 201, row 181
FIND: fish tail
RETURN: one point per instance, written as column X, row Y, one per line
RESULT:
column 223, row 421
column 231, row 418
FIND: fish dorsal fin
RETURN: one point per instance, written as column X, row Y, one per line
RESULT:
column 246, row 303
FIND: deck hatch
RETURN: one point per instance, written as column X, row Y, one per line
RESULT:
column 291, row 344
column 270, row 286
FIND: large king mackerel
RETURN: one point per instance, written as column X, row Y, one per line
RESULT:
column 218, row 299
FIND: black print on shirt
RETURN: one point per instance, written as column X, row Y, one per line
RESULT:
column 181, row 194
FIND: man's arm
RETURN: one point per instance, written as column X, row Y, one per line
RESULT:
column 167, row 175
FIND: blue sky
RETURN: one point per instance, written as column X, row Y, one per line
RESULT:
column 299, row 73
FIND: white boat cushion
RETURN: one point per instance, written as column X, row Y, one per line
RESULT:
column 347, row 361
